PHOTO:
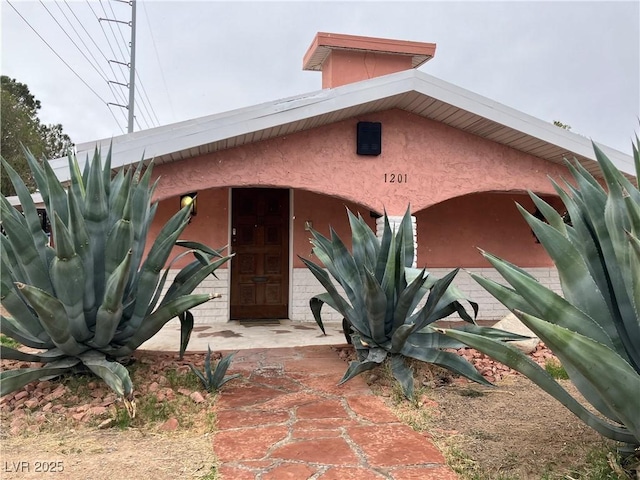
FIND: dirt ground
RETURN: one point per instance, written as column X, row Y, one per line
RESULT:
column 91, row 454
column 60, row 437
column 515, row 429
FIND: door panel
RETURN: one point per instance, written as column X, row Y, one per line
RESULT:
column 260, row 240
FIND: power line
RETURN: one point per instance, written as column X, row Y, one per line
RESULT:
column 139, row 110
column 115, row 37
column 132, row 102
column 80, row 38
column 155, row 48
column 122, row 55
column 144, row 91
column 104, row 74
column 124, row 77
column 95, row 64
column 56, row 54
column 124, row 41
column 74, row 43
column 114, row 117
column 98, row 47
column 121, row 96
column 113, row 53
column 150, row 112
column 85, row 30
column 147, row 122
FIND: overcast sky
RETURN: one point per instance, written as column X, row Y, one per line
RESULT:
column 576, row 62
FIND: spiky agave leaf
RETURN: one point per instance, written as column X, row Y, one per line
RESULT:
column 382, row 293
column 92, row 296
column 517, row 360
column 213, row 378
column 11, row 380
column 594, row 327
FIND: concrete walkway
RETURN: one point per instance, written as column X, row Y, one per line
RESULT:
column 286, row 418
column 234, row 335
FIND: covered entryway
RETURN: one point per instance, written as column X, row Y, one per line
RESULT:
column 260, row 241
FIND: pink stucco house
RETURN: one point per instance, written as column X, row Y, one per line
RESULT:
column 378, row 135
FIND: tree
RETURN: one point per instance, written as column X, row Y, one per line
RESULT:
column 563, row 126
column 20, row 125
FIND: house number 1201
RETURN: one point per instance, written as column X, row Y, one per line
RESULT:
column 395, row 178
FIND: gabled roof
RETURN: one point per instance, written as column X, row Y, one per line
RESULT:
column 411, row 90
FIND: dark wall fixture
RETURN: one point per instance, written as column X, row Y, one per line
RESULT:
column 369, row 138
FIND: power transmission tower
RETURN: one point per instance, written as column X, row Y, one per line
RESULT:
column 131, row 64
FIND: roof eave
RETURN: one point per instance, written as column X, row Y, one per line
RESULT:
column 172, row 142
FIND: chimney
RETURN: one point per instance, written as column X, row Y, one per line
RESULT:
column 346, row 59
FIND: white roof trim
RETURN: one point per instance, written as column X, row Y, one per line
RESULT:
column 36, row 197
column 171, row 142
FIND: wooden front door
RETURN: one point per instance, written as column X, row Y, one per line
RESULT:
column 260, row 240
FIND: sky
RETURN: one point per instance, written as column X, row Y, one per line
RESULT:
column 575, row 62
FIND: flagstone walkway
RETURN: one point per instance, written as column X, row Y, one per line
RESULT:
column 287, row 419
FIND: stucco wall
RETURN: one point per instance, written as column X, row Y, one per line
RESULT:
column 448, row 176
column 350, row 66
column 450, row 233
column 324, row 212
column 209, row 226
column 436, row 162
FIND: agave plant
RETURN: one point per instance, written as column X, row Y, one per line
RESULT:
column 93, row 296
column 383, row 296
column 594, row 327
column 213, row 378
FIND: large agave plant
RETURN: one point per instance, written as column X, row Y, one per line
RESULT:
column 93, row 296
column 594, row 328
column 383, row 295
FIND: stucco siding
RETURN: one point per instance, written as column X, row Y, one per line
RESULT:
column 422, row 163
column 452, row 232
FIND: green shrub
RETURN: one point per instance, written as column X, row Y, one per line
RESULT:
column 213, row 378
column 556, row 370
column 382, row 306
column 594, row 328
column 93, row 297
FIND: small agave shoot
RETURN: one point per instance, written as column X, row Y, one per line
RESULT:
column 213, row 379
column 93, row 297
column 383, row 296
column 594, row 327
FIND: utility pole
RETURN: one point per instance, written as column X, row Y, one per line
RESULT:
column 132, row 67
column 131, row 64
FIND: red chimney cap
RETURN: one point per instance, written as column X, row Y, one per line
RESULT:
column 324, row 43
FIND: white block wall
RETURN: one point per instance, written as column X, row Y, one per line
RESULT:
column 490, row 308
column 394, row 223
column 305, row 286
column 215, row 310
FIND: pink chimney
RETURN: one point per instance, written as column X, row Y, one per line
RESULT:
column 346, row 59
